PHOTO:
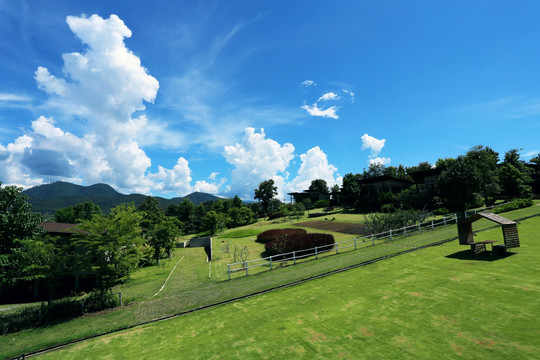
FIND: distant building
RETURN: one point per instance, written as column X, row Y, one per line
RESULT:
column 63, row 230
column 314, row 196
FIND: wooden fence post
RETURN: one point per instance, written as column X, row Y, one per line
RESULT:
column 294, row 257
column 229, row 271
column 316, row 254
column 270, row 262
column 354, row 243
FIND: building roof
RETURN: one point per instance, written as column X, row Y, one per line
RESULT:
column 61, row 228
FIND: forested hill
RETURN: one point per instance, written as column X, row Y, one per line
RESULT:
column 51, row 197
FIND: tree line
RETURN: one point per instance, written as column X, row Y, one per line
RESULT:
column 474, row 179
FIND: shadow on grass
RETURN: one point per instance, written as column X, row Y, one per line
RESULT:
column 483, row 256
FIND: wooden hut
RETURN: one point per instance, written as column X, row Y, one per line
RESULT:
column 509, row 229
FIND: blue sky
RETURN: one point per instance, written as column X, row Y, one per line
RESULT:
column 171, row 97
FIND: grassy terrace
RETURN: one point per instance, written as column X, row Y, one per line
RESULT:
column 190, row 287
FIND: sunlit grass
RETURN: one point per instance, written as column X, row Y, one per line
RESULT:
column 191, row 287
column 440, row 302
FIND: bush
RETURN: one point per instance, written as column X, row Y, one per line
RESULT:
column 298, row 242
column 441, row 211
column 56, row 311
column 378, row 223
column 321, row 204
column 513, row 205
column 274, row 234
column 276, row 215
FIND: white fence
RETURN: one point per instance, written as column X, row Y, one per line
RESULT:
column 271, row 261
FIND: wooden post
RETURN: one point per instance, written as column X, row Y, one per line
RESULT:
column 404, row 231
column 120, row 297
column 432, row 225
column 390, row 234
column 294, row 257
column 354, row 243
column 372, row 240
column 270, row 262
column 337, row 247
column 229, row 271
column 316, row 254
column 246, row 265
column 420, row 228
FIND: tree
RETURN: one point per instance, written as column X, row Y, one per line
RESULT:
column 458, row 183
column 265, row 192
column 109, row 246
column 212, row 221
column 336, row 195
column 17, row 221
column 72, row 214
column 319, row 186
column 485, row 160
column 515, row 176
column 350, row 190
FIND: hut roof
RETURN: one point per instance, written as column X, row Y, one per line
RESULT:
column 61, row 228
column 490, row 216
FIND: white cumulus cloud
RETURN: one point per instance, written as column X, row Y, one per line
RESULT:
column 372, row 143
column 379, row 160
column 314, row 110
column 314, row 166
column 257, row 159
column 103, row 85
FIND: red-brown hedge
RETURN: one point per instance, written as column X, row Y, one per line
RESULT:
column 299, row 242
column 274, row 234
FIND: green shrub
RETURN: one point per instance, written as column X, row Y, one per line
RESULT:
column 378, row 223
column 321, row 204
column 513, row 205
column 441, row 211
column 56, row 311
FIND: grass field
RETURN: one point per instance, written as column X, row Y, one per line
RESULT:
column 190, row 286
column 439, row 302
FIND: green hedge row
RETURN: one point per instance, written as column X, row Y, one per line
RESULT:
column 299, row 242
column 513, row 205
column 56, row 311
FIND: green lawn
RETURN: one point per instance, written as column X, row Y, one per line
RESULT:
column 190, row 286
column 439, row 302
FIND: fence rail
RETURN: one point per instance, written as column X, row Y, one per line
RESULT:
column 276, row 260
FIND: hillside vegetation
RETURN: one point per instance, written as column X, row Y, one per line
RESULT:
column 195, row 283
column 439, row 301
column 51, row 197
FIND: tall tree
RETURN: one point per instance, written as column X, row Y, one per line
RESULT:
column 110, row 245
column 458, row 183
column 17, row 221
column 320, row 186
column 515, row 176
column 266, row 192
column 485, row 160
column 350, row 190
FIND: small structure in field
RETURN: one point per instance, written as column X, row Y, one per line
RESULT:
column 509, row 229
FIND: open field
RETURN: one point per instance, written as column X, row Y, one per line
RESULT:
column 439, row 302
column 190, row 286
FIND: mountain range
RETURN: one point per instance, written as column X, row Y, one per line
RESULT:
column 47, row 199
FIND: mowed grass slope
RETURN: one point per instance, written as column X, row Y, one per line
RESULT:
column 436, row 303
